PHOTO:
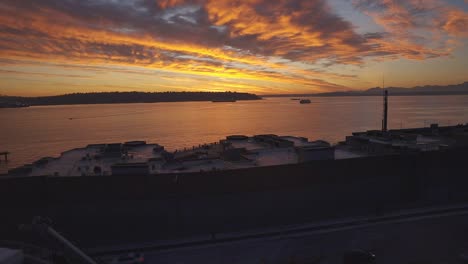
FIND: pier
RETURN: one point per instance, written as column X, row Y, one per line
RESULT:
column 5, row 155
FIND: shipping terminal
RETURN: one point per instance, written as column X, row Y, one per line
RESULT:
column 241, row 151
column 118, row 197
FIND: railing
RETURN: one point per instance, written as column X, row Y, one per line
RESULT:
column 42, row 226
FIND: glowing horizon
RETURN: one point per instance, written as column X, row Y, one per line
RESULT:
column 54, row 47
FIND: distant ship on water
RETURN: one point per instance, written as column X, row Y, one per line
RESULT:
column 224, row 101
column 13, row 105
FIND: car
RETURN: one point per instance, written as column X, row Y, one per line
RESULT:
column 128, row 258
column 358, row 257
column 463, row 258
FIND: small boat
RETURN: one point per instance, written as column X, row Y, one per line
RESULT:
column 13, row 105
column 224, row 101
column 305, row 101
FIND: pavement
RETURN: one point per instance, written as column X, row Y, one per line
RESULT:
column 424, row 236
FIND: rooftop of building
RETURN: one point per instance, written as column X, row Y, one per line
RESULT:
column 239, row 151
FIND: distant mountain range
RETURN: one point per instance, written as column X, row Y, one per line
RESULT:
column 456, row 89
column 124, row 97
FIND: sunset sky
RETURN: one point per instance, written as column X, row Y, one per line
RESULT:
column 262, row 46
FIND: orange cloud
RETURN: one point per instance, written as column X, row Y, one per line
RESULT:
column 457, row 23
column 54, row 36
column 416, row 30
column 246, row 44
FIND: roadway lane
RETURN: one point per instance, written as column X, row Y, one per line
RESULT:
column 434, row 239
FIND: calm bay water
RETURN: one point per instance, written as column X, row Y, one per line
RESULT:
column 35, row 132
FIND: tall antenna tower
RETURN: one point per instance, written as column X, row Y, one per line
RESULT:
column 385, row 109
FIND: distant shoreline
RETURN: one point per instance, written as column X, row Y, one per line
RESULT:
column 123, row 98
column 163, row 97
column 362, row 94
column 162, row 102
column 455, row 89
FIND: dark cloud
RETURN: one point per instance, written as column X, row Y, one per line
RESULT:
column 221, row 37
column 193, row 21
column 43, row 74
column 264, row 27
column 374, row 35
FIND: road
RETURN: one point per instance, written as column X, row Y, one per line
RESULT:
column 416, row 237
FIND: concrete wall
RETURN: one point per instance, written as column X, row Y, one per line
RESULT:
column 115, row 209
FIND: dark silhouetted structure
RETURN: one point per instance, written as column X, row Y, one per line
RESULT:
column 385, row 112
